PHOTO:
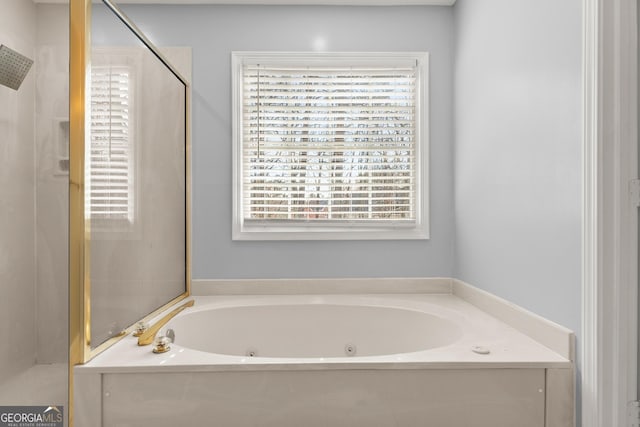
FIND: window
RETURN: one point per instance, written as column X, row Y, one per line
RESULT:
column 110, row 165
column 330, row 146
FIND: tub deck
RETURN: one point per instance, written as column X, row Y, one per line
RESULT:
column 509, row 348
column 527, row 379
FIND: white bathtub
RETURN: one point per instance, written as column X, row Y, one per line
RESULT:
column 428, row 359
column 312, row 328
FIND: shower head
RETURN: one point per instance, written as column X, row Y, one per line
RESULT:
column 13, row 67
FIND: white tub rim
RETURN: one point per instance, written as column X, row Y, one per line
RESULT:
column 126, row 356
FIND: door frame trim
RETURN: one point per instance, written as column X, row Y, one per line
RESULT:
column 610, row 220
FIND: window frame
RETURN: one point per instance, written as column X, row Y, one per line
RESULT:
column 130, row 58
column 335, row 230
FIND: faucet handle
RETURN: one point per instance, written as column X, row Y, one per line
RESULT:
column 141, row 328
column 162, row 344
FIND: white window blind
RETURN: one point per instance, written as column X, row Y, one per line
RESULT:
column 330, row 142
column 111, row 154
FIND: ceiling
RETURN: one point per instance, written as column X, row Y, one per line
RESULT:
column 286, row 2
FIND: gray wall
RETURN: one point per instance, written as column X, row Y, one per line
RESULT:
column 518, row 152
column 17, row 197
column 214, row 32
column 516, row 225
column 517, row 142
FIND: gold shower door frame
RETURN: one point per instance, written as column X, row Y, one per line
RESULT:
column 80, row 350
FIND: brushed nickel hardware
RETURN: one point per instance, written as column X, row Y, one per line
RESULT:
column 13, row 67
column 350, row 350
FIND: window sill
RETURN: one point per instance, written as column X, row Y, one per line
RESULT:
column 270, row 232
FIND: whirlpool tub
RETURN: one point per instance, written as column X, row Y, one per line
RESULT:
column 314, row 328
column 443, row 355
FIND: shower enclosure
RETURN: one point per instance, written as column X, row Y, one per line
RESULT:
column 129, row 235
column 128, row 186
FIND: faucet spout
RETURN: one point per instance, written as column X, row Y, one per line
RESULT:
column 150, row 334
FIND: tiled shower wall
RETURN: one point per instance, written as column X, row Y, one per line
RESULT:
column 17, row 197
column 52, row 200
